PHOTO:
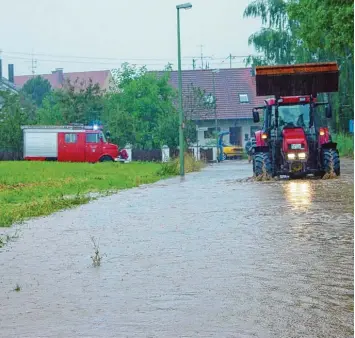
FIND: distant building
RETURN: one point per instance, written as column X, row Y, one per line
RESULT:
column 58, row 78
column 8, row 84
column 235, row 98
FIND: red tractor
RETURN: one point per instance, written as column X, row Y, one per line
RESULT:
column 295, row 140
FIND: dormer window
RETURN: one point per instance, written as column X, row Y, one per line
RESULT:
column 209, row 99
column 243, row 98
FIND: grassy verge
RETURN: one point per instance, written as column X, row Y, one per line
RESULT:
column 173, row 167
column 345, row 144
column 30, row 189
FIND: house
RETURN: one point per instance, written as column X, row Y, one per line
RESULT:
column 58, row 78
column 235, row 92
column 8, row 84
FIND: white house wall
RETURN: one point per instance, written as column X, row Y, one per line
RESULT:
column 224, row 125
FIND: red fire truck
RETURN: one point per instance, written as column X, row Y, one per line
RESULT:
column 72, row 143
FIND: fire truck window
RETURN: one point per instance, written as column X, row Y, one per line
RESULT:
column 92, row 138
column 71, row 138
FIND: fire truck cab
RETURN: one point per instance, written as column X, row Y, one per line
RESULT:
column 73, row 143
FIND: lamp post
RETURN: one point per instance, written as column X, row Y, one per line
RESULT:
column 214, row 71
column 181, row 113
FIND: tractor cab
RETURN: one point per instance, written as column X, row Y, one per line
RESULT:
column 295, row 140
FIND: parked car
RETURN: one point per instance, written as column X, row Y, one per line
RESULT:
column 232, row 151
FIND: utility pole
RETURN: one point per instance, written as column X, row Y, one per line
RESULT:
column 34, row 65
column 193, row 64
column 201, row 46
column 214, row 71
column 230, row 60
column 181, row 112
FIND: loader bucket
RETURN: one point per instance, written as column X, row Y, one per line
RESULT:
column 296, row 80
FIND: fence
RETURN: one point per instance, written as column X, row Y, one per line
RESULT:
column 154, row 155
column 10, row 155
column 206, row 155
column 174, row 152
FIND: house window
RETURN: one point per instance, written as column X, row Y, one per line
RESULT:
column 210, row 132
column 71, row 138
column 243, row 98
column 209, row 99
column 92, row 138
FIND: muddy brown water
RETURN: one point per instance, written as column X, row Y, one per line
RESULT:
column 212, row 256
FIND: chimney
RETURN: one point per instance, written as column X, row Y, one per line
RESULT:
column 11, row 73
column 60, row 75
column 0, row 70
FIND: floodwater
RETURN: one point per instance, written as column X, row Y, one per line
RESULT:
column 211, row 256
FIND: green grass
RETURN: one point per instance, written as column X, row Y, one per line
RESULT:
column 30, row 189
column 345, row 144
column 173, row 167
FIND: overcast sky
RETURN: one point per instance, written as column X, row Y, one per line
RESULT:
column 102, row 34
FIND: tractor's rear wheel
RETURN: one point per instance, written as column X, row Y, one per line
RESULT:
column 331, row 161
column 262, row 164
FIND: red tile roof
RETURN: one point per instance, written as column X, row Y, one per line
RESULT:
column 101, row 77
column 229, row 83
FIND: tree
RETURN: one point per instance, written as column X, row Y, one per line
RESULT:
column 37, row 88
column 147, row 100
column 299, row 31
column 197, row 105
column 118, row 121
column 15, row 112
column 74, row 103
column 274, row 40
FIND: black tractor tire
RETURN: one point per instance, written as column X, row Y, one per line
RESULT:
column 262, row 164
column 106, row 159
column 331, row 161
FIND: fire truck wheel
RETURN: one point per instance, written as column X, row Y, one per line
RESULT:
column 106, row 159
column 262, row 164
column 331, row 161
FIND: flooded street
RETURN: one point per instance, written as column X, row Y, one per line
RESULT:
column 212, row 256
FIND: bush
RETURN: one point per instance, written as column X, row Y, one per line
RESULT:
column 345, row 144
column 173, row 167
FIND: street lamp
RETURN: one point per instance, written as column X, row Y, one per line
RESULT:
column 181, row 113
column 214, row 71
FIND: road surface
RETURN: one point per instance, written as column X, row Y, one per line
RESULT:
column 212, row 256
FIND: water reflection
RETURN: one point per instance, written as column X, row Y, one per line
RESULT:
column 299, row 194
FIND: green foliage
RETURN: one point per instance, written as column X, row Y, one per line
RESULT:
column 37, row 88
column 324, row 24
column 345, row 144
column 197, row 105
column 145, row 102
column 173, row 166
column 76, row 103
column 15, row 111
column 299, row 31
column 140, row 109
column 29, row 189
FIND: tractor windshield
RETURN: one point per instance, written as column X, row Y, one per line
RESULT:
column 292, row 116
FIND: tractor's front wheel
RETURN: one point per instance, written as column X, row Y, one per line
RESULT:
column 262, row 164
column 331, row 161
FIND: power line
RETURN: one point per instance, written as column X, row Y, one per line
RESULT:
column 120, row 59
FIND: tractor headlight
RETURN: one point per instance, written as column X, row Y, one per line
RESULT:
column 291, row 156
column 302, row 156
